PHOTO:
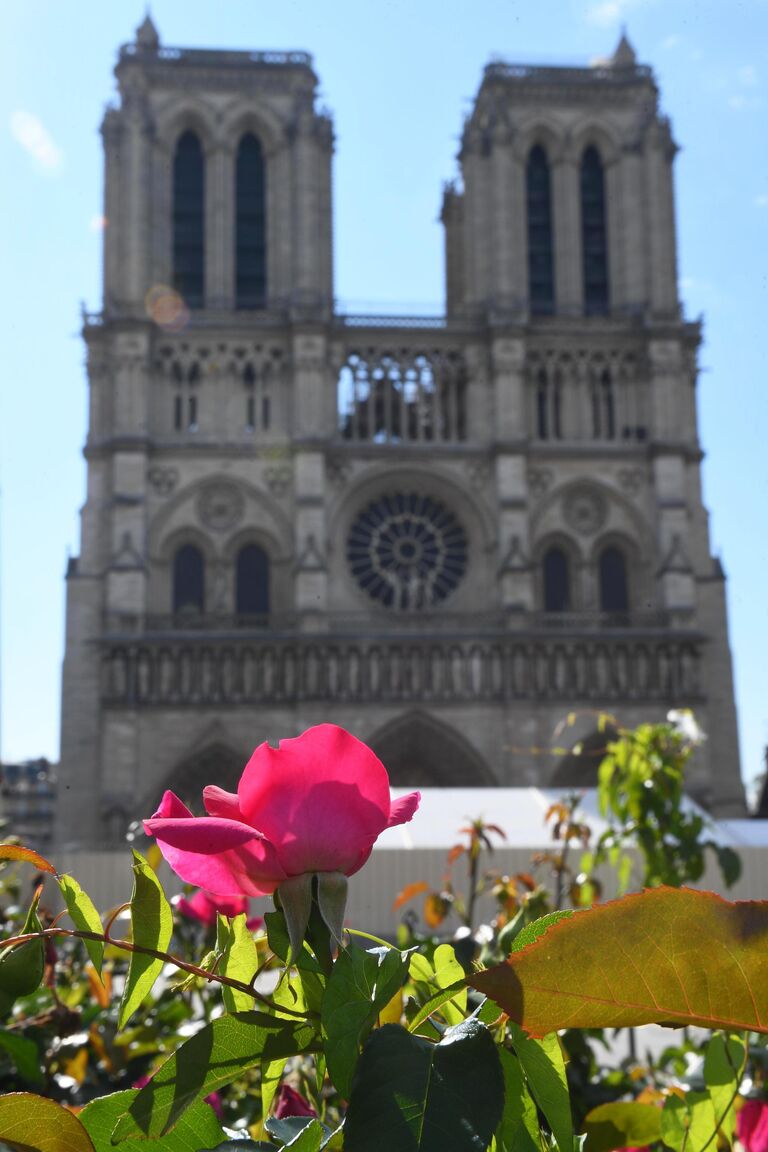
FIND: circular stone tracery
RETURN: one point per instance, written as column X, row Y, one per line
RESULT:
column 407, row 551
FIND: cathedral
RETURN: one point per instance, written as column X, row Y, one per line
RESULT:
column 445, row 534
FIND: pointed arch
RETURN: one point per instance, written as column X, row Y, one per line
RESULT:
column 188, row 581
column 578, row 768
column 189, row 219
column 418, row 750
column 556, row 580
column 541, row 273
column 613, row 580
column 250, row 224
column 252, row 581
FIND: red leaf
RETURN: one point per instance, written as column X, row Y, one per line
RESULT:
column 665, row 956
column 27, row 855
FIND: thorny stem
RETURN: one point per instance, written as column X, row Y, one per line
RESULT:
column 168, row 957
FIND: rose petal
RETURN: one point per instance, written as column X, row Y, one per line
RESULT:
column 219, row 802
column 321, row 799
column 402, row 809
column 224, row 856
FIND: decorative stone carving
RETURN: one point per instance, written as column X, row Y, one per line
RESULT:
column 515, row 559
column 162, row 480
column 585, row 510
column 478, row 473
column 278, row 479
column 539, row 480
column 220, row 505
column 127, row 557
column 338, row 472
column 311, row 558
column 631, row 480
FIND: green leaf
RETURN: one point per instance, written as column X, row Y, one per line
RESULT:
column 152, row 923
column 448, row 972
column 291, row 1129
column 271, row 1073
column 544, row 1068
column 688, row 1124
column 436, row 1002
column 31, row 1123
column 730, row 864
column 410, row 1095
column 279, row 942
column 84, row 916
column 519, row 1127
column 622, row 1125
column 199, row 1128
column 360, row 985
column 240, row 961
column 25, row 1055
column 723, row 1062
column 214, row 1056
column 640, row 960
column 533, row 931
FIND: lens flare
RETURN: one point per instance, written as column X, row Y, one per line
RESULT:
column 166, row 308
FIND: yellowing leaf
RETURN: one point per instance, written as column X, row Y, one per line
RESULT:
column 624, row 1124
column 30, row 1123
column 665, row 956
column 408, row 893
column 26, row 856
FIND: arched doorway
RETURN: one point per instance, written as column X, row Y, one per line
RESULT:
column 418, row 750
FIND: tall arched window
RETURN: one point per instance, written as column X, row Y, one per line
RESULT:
column 252, row 582
column 557, row 582
column 594, row 239
column 250, row 225
column 614, row 592
column 188, row 580
column 189, row 220
column 541, row 278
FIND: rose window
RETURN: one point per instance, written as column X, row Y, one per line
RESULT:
column 407, row 551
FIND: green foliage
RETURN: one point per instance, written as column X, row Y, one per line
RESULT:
column 152, row 926
column 410, row 1095
column 84, row 916
column 544, row 1067
column 197, row 1129
column 641, row 788
column 361, row 984
column 239, row 961
column 519, row 1127
column 624, row 1124
column 213, row 1057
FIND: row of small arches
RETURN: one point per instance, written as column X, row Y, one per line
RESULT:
column 594, row 233
column 188, row 223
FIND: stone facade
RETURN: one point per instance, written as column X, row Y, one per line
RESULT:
column 461, row 529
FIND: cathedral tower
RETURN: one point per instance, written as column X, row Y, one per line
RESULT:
column 442, row 534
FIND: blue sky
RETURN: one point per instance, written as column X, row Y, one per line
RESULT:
column 398, row 76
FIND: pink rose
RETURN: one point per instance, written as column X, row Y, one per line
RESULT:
column 752, row 1125
column 204, row 907
column 291, row 1103
column 313, row 806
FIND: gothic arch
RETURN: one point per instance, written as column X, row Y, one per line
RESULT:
column 280, row 524
column 418, row 750
column 215, row 762
column 186, row 114
column 597, row 135
column 542, row 130
column 262, row 122
column 578, row 767
column 634, row 527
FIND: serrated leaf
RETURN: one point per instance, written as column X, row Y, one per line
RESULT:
column 84, row 916
column 198, row 1129
column 519, row 1127
column 25, row 1054
column 533, row 931
column 152, row 925
column 640, row 960
column 30, row 1123
column 240, row 961
column 310, row 1139
column 625, row 1124
column 26, row 856
column 410, row 1095
column 214, row 1056
column 544, row 1067
column 360, row 985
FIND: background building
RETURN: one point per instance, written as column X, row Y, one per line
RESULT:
column 443, row 534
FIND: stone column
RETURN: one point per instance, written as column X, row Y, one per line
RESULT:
column 633, row 292
column 219, row 228
column 112, row 135
column 660, row 152
column 312, row 423
column 136, row 182
column 504, row 286
column 306, row 192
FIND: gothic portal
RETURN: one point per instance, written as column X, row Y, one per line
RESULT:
column 444, row 534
